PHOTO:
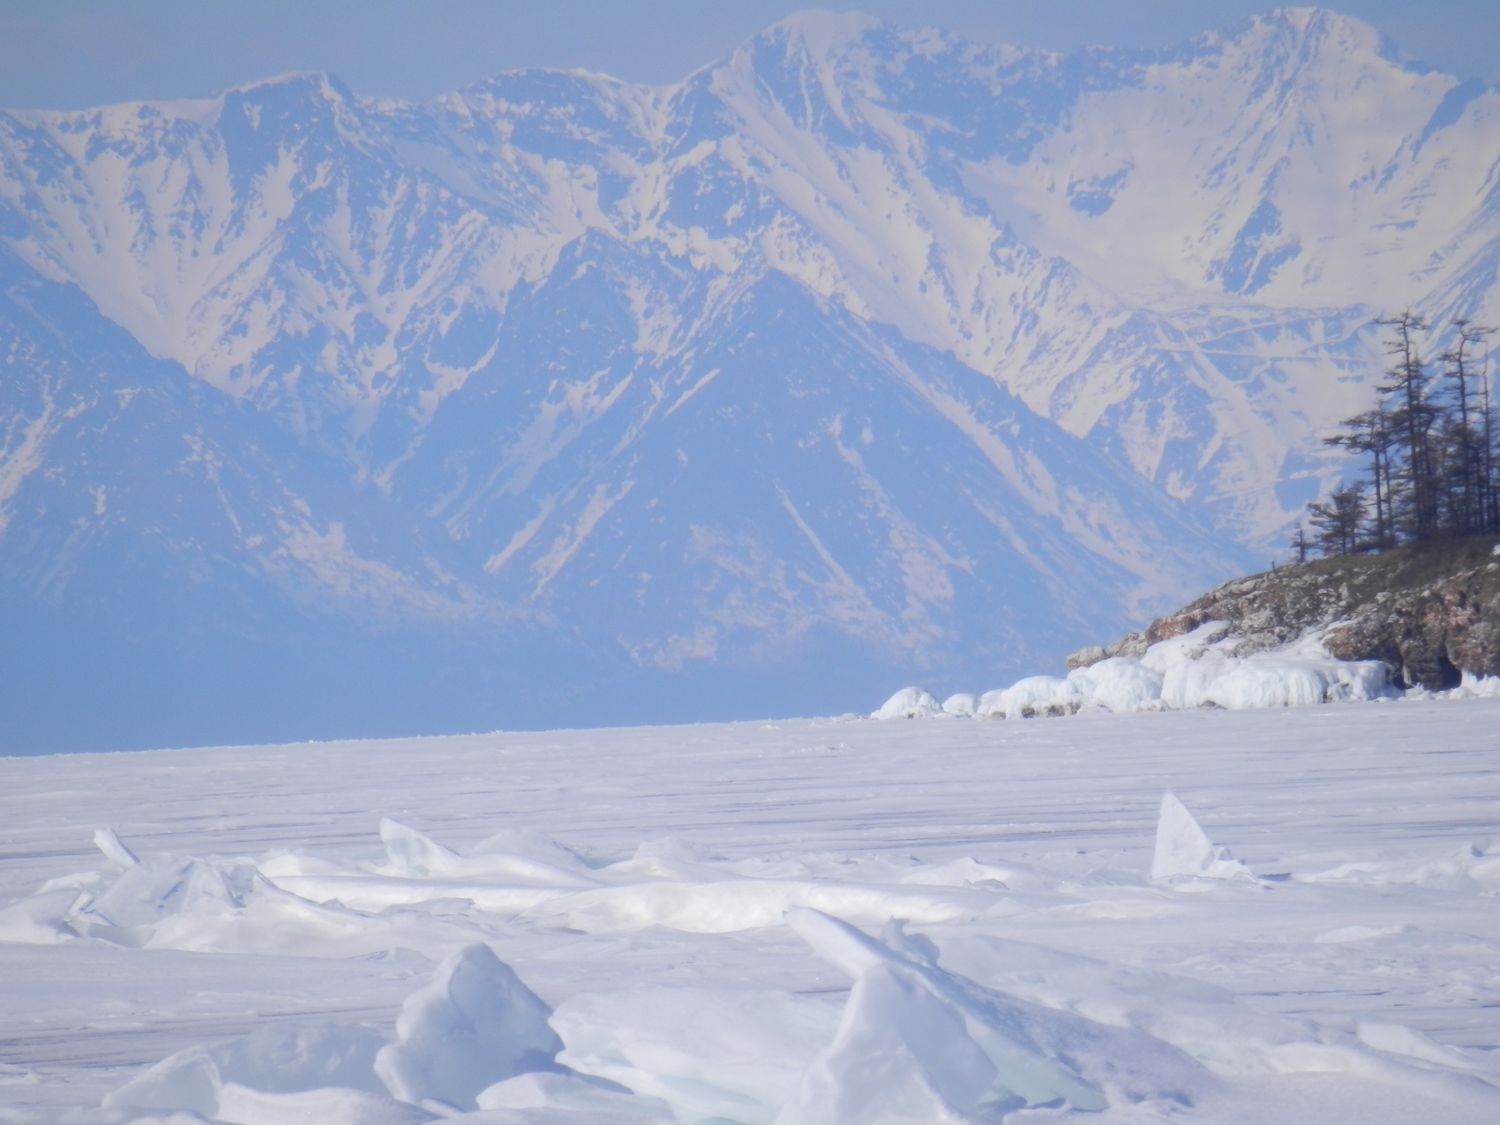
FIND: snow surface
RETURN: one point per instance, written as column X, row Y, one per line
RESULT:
column 732, row 922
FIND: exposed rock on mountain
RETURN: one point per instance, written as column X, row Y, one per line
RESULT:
column 1432, row 612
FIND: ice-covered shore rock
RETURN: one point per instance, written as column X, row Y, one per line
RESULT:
column 1206, row 667
column 909, row 703
column 1431, row 612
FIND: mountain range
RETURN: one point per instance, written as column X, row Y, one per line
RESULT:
column 867, row 353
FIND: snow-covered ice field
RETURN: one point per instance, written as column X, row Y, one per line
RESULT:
column 794, row 921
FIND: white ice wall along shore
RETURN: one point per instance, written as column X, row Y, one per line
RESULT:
column 1206, row 667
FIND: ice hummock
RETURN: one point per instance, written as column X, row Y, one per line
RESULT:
column 272, row 1063
column 1184, row 851
column 951, row 1049
column 475, row 1024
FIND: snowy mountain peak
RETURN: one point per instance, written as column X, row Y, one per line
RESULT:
column 1324, row 27
column 321, row 85
column 821, row 31
column 1306, row 31
column 1309, row 47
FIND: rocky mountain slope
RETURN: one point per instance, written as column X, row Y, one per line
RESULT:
column 862, row 353
column 1432, row 612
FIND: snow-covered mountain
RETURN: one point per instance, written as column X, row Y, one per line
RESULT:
column 866, row 351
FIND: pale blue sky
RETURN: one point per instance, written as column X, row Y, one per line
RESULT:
column 74, row 53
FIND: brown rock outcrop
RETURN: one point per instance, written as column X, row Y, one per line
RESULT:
column 1432, row 611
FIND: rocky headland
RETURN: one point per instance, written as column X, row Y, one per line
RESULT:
column 1430, row 611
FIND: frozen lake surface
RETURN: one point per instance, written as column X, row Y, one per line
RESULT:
column 694, row 923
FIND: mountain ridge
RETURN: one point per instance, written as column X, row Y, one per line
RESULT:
column 505, row 342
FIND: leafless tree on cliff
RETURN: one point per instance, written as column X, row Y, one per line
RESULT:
column 1370, row 433
column 1466, row 452
column 1434, row 468
column 1338, row 522
column 1412, row 419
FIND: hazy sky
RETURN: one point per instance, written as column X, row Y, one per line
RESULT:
column 73, row 53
